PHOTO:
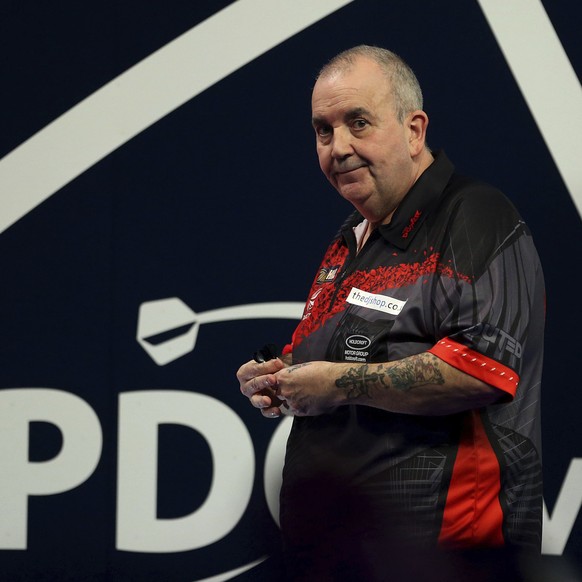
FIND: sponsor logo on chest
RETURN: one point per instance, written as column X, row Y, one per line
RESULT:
column 327, row 274
column 374, row 301
column 356, row 349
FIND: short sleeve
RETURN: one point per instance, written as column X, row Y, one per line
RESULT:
column 493, row 306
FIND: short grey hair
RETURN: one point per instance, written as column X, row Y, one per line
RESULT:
column 404, row 85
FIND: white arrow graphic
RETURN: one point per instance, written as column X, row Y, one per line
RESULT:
column 167, row 328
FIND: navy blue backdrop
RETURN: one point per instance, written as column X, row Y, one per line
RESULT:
column 134, row 288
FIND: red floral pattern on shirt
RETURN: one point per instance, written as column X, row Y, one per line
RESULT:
column 319, row 307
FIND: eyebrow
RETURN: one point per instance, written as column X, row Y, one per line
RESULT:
column 357, row 112
column 348, row 116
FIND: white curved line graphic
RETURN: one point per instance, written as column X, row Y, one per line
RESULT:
column 546, row 79
column 274, row 310
column 232, row 573
column 145, row 93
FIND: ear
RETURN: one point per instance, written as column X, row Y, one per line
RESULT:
column 417, row 123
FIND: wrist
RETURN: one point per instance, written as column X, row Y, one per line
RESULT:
column 357, row 382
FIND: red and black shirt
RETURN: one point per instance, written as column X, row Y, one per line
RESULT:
column 455, row 273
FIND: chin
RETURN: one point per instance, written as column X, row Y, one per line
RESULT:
column 357, row 197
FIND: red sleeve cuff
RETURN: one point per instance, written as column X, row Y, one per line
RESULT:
column 287, row 349
column 476, row 365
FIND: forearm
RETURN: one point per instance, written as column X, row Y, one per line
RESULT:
column 421, row 384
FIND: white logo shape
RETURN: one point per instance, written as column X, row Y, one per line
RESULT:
column 381, row 303
column 358, row 342
column 167, row 328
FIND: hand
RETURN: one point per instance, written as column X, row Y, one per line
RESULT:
column 308, row 389
column 259, row 384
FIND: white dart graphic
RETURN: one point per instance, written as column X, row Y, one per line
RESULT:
column 167, row 328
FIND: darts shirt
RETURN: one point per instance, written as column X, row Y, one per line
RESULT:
column 455, row 273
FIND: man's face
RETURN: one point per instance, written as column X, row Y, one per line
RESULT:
column 363, row 149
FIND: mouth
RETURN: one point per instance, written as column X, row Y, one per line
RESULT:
column 348, row 170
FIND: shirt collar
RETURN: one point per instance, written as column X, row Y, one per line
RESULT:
column 418, row 203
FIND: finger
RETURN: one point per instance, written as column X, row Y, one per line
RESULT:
column 277, row 408
column 258, row 384
column 270, row 366
column 271, row 412
column 282, row 409
column 286, row 410
column 246, row 371
column 261, row 401
column 252, row 369
column 249, row 371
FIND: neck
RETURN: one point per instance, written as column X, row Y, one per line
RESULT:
column 424, row 160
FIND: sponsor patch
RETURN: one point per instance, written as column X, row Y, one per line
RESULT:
column 414, row 219
column 358, row 342
column 357, row 348
column 326, row 275
column 381, row 303
column 501, row 339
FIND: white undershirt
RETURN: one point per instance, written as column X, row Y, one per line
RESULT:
column 361, row 233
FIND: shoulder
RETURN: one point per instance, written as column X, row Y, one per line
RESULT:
column 478, row 223
column 479, row 208
column 478, row 196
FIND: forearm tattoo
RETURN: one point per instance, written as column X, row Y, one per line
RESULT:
column 359, row 380
column 403, row 375
column 295, row 367
column 416, row 371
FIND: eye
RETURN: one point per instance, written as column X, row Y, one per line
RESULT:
column 359, row 124
column 323, row 131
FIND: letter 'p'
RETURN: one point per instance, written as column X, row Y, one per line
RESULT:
column 19, row 477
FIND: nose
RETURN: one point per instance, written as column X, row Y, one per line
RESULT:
column 341, row 146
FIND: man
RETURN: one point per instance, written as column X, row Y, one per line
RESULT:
column 414, row 374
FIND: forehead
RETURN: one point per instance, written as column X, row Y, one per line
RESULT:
column 363, row 85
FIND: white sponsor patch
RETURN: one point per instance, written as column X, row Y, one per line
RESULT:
column 377, row 302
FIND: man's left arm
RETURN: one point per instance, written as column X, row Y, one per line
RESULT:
column 422, row 384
